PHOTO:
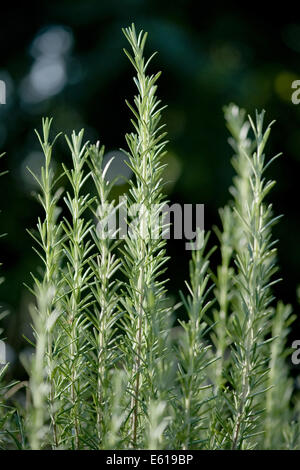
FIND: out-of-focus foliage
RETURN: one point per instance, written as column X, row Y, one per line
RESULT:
column 63, row 59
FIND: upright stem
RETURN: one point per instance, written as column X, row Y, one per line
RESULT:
column 77, row 250
column 255, row 262
column 49, row 234
column 106, row 306
column 145, row 147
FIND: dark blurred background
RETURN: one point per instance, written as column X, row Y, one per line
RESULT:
column 64, row 59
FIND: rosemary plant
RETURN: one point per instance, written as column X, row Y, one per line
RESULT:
column 280, row 385
column 105, row 313
column 44, row 315
column 251, row 321
column 109, row 369
column 144, row 250
column 77, row 297
column 193, row 359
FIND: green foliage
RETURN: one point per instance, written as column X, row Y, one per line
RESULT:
column 279, row 394
column 44, row 314
column 194, row 390
column 144, row 249
column 252, row 315
column 110, row 369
